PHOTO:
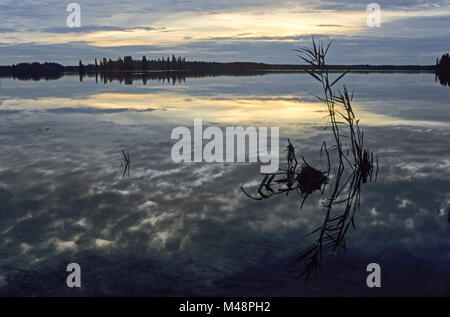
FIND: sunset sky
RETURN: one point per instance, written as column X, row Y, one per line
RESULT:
column 411, row 32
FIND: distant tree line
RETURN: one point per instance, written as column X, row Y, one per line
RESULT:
column 129, row 64
column 33, row 71
column 176, row 69
column 174, row 63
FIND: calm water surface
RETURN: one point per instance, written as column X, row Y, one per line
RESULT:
column 187, row 229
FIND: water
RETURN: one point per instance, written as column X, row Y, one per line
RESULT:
column 187, row 229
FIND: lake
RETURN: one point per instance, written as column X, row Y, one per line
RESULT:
column 186, row 229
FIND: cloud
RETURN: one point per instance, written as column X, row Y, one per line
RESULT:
column 330, row 25
column 9, row 112
column 411, row 32
column 166, row 218
column 6, row 29
column 94, row 28
column 407, row 5
column 92, row 110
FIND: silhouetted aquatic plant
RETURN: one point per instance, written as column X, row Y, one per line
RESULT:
column 126, row 166
column 353, row 165
column 301, row 178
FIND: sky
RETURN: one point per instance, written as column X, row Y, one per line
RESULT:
column 410, row 31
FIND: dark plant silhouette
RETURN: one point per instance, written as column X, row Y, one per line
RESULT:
column 352, row 163
column 303, row 179
column 127, row 165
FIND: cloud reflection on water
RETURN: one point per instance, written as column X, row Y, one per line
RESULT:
column 174, row 229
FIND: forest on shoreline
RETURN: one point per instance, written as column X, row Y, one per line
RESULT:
column 178, row 68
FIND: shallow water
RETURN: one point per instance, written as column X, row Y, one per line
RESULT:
column 187, row 229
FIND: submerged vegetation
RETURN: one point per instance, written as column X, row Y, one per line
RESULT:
column 350, row 164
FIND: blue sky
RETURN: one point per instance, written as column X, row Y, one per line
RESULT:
column 411, row 32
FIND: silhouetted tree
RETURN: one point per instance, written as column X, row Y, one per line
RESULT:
column 128, row 62
column 144, row 62
column 443, row 70
column 80, row 67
